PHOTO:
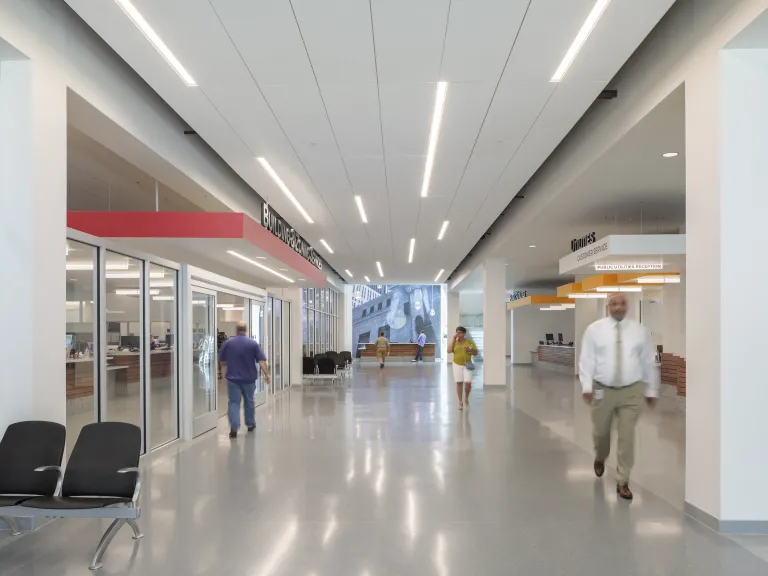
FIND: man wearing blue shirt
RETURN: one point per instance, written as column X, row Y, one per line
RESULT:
column 241, row 355
column 420, row 351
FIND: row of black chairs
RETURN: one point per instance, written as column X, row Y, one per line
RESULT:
column 101, row 480
column 331, row 365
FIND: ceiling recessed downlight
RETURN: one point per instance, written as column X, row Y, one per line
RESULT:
column 324, row 243
column 581, row 38
column 439, row 274
column 532, row 246
column 434, row 135
column 259, row 265
column 442, row 230
column 359, row 202
column 136, row 17
column 410, row 250
column 669, row 154
column 280, row 184
column 381, row 272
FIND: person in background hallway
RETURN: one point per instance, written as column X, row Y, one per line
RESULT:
column 617, row 369
column 463, row 349
column 422, row 339
column 242, row 354
column 382, row 349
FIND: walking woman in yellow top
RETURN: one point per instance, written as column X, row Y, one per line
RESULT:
column 382, row 349
column 463, row 349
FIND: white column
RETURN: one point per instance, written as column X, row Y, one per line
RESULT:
column 346, row 320
column 452, row 320
column 294, row 296
column 33, row 222
column 494, row 323
column 727, row 179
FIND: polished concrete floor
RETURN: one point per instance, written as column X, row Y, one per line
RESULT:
column 384, row 476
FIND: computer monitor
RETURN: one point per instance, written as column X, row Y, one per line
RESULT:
column 559, row 336
column 169, row 339
column 550, row 337
column 130, row 341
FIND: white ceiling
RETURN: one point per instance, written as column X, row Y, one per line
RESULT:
column 338, row 96
column 631, row 189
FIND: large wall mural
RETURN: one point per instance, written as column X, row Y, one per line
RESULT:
column 400, row 311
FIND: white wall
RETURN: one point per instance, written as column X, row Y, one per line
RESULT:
column 530, row 324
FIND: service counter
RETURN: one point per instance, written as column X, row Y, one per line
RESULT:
column 555, row 358
column 397, row 352
column 122, row 368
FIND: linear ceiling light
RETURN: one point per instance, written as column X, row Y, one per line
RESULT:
column 410, row 250
column 349, row 273
column 284, row 188
column 164, row 298
column 154, row 39
column 324, row 243
column 442, row 230
column 367, row 279
column 584, row 295
column 581, row 38
column 259, row 265
column 134, row 292
column 381, row 272
column 359, row 202
column 620, row 289
column 659, row 280
column 439, row 274
column 434, row 135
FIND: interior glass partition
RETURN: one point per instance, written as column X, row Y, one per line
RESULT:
column 122, row 391
column 203, row 360
column 257, row 333
column 163, row 376
column 82, row 342
column 230, row 310
column 277, row 339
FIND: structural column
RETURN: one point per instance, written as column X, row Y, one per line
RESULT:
column 727, row 396
column 494, row 323
column 452, row 316
column 33, row 202
column 587, row 310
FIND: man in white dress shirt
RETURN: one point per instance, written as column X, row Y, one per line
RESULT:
column 617, row 368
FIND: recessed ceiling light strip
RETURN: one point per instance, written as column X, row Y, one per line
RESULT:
column 359, row 202
column 136, row 17
column 259, row 265
column 381, row 272
column 442, row 230
column 324, row 243
column 410, row 250
column 284, row 188
column 581, row 38
column 439, row 274
column 349, row 273
column 367, row 279
column 434, row 135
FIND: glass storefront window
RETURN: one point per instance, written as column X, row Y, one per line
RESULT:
column 125, row 342
column 230, row 310
column 163, row 375
column 81, row 338
column 203, row 354
column 320, row 311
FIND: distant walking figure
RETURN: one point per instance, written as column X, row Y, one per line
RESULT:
column 420, row 350
column 382, row 349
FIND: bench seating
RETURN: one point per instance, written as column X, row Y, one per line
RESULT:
column 102, row 478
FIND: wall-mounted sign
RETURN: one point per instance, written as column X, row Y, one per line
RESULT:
column 629, row 266
column 282, row 230
column 579, row 243
column 517, row 294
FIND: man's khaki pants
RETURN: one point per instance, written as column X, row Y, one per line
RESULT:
column 625, row 404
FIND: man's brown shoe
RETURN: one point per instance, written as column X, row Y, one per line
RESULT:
column 599, row 468
column 624, row 491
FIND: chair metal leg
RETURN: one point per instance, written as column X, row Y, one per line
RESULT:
column 105, row 541
column 137, row 535
column 15, row 530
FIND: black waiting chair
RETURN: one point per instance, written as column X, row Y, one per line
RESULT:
column 28, row 453
column 347, row 356
column 102, row 480
column 341, row 363
column 308, row 367
column 326, row 368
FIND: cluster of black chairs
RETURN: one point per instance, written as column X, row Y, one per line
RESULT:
column 330, row 364
column 101, row 479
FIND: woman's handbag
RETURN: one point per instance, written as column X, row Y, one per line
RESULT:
column 469, row 365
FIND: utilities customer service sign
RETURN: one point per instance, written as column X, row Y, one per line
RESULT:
column 282, row 230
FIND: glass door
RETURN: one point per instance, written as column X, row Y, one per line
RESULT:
column 267, row 346
column 203, row 361
column 257, row 333
column 277, row 345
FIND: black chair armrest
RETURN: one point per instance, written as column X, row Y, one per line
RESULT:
column 60, row 480
column 137, row 488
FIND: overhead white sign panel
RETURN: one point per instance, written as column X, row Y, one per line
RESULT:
column 624, row 252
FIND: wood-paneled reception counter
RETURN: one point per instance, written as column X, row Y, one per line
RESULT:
column 557, row 358
column 123, row 367
column 398, row 352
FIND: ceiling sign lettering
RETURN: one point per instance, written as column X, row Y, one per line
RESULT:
column 282, row 230
column 579, row 243
column 619, row 267
column 517, row 294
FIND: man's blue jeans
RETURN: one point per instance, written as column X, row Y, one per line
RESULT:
column 420, row 353
column 246, row 391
